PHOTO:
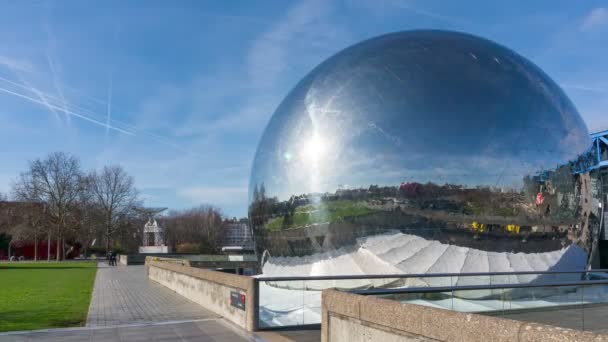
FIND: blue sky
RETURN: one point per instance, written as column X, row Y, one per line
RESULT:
column 179, row 92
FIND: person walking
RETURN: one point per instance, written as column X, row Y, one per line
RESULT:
column 109, row 258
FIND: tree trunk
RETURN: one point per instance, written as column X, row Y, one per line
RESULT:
column 58, row 258
column 48, row 248
column 62, row 248
column 9, row 248
column 107, row 243
column 108, row 230
column 35, row 247
column 86, row 247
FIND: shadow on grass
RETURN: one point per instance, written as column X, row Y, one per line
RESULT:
column 4, row 267
column 20, row 321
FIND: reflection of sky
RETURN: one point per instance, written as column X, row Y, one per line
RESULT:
column 418, row 107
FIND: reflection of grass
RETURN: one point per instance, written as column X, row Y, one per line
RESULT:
column 473, row 209
column 485, row 209
column 506, row 212
column 45, row 295
column 275, row 224
column 332, row 211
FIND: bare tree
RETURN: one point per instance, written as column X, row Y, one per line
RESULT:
column 88, row 215
column 114, row 193
column 21, row 222
column 36, row 225
column 203, row 226
column 56, row 181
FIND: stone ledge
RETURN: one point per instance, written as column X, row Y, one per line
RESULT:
column 439, row 324
column 232, row 280
column 210, row 289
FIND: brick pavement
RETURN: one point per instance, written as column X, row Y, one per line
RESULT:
column 125, row 295
column 208, row 330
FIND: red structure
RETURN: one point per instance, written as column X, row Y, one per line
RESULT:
column 27, row 250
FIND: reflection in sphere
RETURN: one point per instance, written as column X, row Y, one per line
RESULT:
column 424, row 151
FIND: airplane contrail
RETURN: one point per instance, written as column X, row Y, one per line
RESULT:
column 45, row 97
column 48, row 105
column 109, row 110
column 57, row 87
column 77, row 111
column 53, row 69
column 39, row 94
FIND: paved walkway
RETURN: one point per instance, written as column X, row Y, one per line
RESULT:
column 126, row 306
column 215, row 330
column 124, row 295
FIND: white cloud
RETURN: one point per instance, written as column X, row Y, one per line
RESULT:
column 391, row 6
column 585, row 88
column 149, row 198
column 293, row 45
column 6, row 180
column 215, row 195
column 430, row 14
column 15, row 65
column 308, row 31
column 596, row 19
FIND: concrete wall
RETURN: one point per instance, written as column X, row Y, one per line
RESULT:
column 354, row 318
column 140, row 259
column 123, row 259
column 210, row 289
column 247, row 261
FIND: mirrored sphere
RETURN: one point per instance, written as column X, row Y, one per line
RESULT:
column 424, row 151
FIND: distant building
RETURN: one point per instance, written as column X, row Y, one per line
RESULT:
column 600, row 144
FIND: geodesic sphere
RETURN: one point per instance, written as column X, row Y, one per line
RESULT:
column 432, row 135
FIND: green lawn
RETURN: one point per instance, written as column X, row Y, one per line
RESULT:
column 45, row 295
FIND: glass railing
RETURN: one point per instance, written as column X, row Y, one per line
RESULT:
column 578, row 305
column 296, row 301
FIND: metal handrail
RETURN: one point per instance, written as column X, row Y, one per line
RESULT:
column 377, row 292
column 423, row 275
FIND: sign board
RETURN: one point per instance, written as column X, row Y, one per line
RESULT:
column 237, row 300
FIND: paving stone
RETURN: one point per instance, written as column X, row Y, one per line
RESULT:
column 125, row 295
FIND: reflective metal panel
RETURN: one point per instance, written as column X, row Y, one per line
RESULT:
column 424, row 151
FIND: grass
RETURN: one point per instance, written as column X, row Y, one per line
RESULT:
column 331, row 211
column 45, row 295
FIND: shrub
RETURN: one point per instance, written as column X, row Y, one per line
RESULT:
column 187, row 248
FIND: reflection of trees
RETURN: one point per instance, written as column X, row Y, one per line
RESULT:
column 263, row 208
column 512, row 218
column 558, row 188
column 585, row 161
column 257, row 208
